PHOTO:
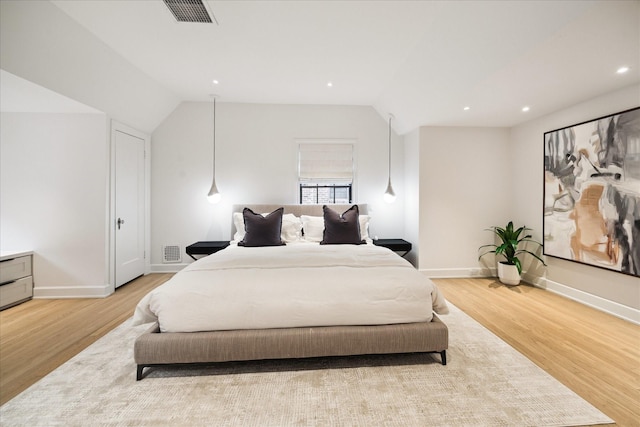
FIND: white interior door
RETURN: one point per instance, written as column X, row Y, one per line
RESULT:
column 129, row 207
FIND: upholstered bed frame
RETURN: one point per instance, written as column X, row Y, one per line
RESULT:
column 154, row 348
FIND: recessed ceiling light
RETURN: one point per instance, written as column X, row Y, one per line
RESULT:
column 466, row 108
column 525, row 109
column 622, row 70
column 329, row 84
column 215, row 82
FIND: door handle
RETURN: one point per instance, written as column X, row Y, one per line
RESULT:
column 120, row 221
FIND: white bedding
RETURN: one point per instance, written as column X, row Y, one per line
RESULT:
column 296, row 285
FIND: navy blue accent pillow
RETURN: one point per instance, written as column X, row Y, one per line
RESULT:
column 341, row 229
column 262, row 230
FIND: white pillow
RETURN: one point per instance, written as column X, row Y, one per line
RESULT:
column 364, row 226
column 238, row 222
column 313, row 227
column 291, row 227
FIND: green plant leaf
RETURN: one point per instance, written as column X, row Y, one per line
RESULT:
column 533, row 255
column 509, row 248
column 516, row 261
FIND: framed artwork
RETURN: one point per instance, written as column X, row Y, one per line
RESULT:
column 592, row 192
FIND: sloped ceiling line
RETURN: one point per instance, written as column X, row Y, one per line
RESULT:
column 421, row 60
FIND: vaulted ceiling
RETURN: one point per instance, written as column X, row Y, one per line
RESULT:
column 423, row 61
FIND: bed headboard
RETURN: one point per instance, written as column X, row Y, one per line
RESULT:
column 297, row 210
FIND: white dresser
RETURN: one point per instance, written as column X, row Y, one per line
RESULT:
column 16, row 277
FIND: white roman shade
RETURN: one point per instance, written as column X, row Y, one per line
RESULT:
column 325, row 162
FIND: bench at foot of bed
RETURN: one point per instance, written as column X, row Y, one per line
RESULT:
column 154, row 348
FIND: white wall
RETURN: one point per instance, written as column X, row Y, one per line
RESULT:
column 42, row 44
column 464, row 188
column 412, row 194
column 256, row 163
column 53, row 187
column 590, row 284
column 473, row 178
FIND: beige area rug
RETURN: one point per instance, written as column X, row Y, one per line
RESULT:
column 485, row 383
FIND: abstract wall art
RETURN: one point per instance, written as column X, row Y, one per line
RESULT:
column 592, row 192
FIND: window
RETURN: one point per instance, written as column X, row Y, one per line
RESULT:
column 325, row 171
column 311, row 193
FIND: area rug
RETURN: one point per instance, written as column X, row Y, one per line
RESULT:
column 485, row 383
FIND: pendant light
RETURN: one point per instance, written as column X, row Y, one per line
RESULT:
column 389, row 194
column 214, row 195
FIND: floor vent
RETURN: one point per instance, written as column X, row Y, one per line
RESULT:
column 171, row 254
column 190, row 11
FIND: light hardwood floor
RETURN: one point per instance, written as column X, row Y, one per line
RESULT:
column 594, row 354
column 39, row 335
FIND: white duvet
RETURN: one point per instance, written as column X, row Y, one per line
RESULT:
column 292, row 286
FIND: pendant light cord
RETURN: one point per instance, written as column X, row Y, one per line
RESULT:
column 389, row 194
column 214, row 195
column 390, row 147
column 214, row 137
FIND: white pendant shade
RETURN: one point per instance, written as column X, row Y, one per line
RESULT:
column 389, row 195
column 214, row 195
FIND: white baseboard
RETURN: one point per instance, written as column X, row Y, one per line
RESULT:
column 167, row 268
column 65, row 292
column 98, row 291
column 622, row 311
column 615, row 309
column 452, row 273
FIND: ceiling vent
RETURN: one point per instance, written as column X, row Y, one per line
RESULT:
column 190, row 11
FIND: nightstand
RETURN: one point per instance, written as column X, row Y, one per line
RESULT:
column 206, row 248
column 396, row 245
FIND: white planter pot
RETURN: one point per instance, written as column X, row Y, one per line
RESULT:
column 508, row 274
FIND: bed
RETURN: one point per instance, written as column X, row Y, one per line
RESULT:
column 298, row 296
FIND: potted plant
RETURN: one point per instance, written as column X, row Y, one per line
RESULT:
column 510, row 270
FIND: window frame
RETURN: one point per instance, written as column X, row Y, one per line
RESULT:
column 328, row 183
column 317, row 187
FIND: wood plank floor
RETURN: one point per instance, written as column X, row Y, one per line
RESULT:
column 39, row 335
column 594, row 354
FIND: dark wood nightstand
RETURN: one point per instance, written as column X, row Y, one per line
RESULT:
column 206, row 248
column 396, row 245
